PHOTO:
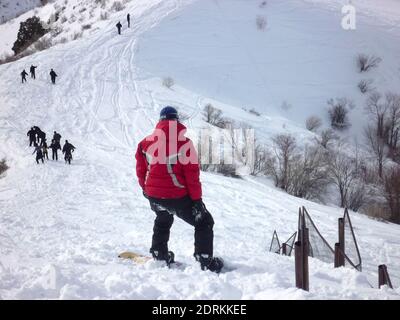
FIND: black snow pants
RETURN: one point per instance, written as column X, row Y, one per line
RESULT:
column 165, row 210
column 54, row 154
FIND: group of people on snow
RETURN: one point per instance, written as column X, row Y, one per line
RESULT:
column 32, row 71
column 119, row 25
column 37, row 138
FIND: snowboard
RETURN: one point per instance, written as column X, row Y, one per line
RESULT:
column 138, row 258
column 142, row 259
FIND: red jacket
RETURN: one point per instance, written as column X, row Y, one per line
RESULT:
column 167, row 164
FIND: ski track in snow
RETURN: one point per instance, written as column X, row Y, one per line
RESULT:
column 62, row 227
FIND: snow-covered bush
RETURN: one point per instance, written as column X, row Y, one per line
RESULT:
column 313, row 123
column 168, row 82
column 366, row 62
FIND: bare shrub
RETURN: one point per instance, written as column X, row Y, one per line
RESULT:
column 214, row 116
column 313, row 123
column 86, row 27
column 263, row 4
column 365, row 85
column 104, row 15
column 117, row 6
column 168, row 82
column 326, row 138
column 77, row 35
column 63, row 40
column 338, row 113
column 261, row 23
column 392, row 193
column 3, row 167
column 366, row 62
column 255, row 112
column 286, row 106
column 228, row 170
column 308, row 178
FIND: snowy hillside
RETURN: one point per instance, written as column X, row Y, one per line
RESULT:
column 10, row 9
column 62, row 227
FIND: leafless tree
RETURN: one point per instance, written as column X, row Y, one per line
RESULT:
column 308, row 178
column 376, row 109
column 280, row 164
column 366, row 62
column 214, row 116
column 392, row 193
column 392, row 125
column 313, row 123
column 342, row 172
column 376, row 144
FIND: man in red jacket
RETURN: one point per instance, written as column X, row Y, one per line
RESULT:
column 168, row 171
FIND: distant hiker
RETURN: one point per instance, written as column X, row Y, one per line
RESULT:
column 53, row 76
column 57, row 137
column 37, row 131
column 67, row 150
column 119, row 26
column 33, row 71
column 41, row 136
column 54, row 146
column 32, row 136
column 23, row 75
column 39, row 153
column 172, row 185
column 128, row 17
column 45, row 152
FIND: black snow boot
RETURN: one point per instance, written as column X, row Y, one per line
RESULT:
column 168, row 257
column 214, row 264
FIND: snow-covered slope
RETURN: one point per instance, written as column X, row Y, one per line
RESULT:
column 303, row 57
column 10, row 9
column 61, row 227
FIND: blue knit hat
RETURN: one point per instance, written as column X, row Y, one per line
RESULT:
column 169, row 113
